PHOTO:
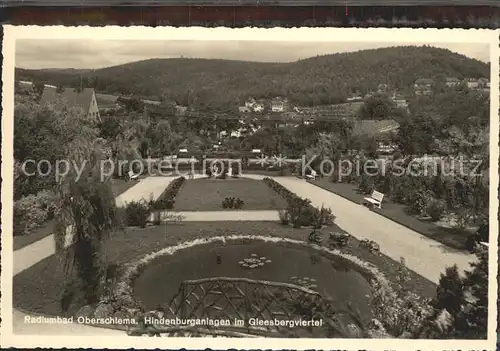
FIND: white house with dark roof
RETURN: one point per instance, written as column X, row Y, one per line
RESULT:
column 278, row 105
column 423, row 86
column 85, row 99
column 452, row 82
column 472, row 83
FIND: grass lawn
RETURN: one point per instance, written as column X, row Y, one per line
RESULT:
column 39, row 288
column 119, row 186
column 208, row 194
column 453, row 238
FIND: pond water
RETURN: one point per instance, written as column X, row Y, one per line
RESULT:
column 160, row 281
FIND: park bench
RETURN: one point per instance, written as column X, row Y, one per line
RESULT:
column 132, row 175
column 312, row 176
column 375, row 199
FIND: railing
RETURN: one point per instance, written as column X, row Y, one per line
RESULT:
column 237, row 305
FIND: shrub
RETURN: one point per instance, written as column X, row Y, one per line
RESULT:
column 166, row 201
column 235, row 172
column 366, row 184
column 156, row 218
column 300, row 211
column 48, row 202
column 29, row 214
column 418, row 202
column 326, row 216
column 232, row 203
column 137, row 213
column 435, row 209
column 284, row 217
column 238, row 203
column 315, row 237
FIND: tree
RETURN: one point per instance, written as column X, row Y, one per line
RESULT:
column 376, row 107
column 164, row 139
column 110, row 127
column 418, row 133
column 450, row 291
column 464, row 301
column 38, row 88
column 39, row 132
column 87, row 215
column 86, row 212
column 476, row 283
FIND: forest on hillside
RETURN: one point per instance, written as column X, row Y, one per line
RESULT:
column 222, row 84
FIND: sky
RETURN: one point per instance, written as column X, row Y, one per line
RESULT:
column 92, row 54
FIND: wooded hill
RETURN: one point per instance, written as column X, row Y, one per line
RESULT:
column 217, row 84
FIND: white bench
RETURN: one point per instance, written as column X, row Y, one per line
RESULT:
column 375, row 199
column 132, row 175
column 312, row 176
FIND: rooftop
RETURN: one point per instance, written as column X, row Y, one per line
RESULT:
column 72, row 97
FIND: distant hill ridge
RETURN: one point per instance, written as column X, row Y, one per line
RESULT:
column 313, row 81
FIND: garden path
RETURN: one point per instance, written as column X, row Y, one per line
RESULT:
column 237, row 215
column 424, row 256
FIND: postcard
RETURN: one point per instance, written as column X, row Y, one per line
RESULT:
column 305, row 188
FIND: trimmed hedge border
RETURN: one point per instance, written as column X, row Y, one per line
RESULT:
column 166, row 200
column 296, row 202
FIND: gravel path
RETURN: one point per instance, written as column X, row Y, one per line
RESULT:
column 422, row 255
column 209, row 216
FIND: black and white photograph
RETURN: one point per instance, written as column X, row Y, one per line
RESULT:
column 290, row 186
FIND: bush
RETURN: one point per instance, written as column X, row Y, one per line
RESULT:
column 366, row 184
column 284, row 217
column 315, row 237
column 418, row 202
column 48, row 202
column 166, row 201
column 29, row 214
column 232, row 203
column 300, row 211
column 436, row 209
column 326, row 216
column 137, row 213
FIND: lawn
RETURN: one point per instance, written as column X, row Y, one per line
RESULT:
column 39, row 288
column 119, row 186
column 208, row 195
column 453, row 238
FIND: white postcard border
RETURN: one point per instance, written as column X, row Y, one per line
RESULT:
column 382, row 35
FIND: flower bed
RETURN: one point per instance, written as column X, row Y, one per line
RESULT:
column 166, row 200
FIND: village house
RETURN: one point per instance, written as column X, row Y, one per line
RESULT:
column 244, row 109
column 484, row 82
column 258, row 107
column 423, row 86
column 400, row 101
column 452, row 82
column 424, row 83
column 382, row 88
column 472, row 83
column 85, row 99
column 355, row 98
column 278, row 105
column 250, row 103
